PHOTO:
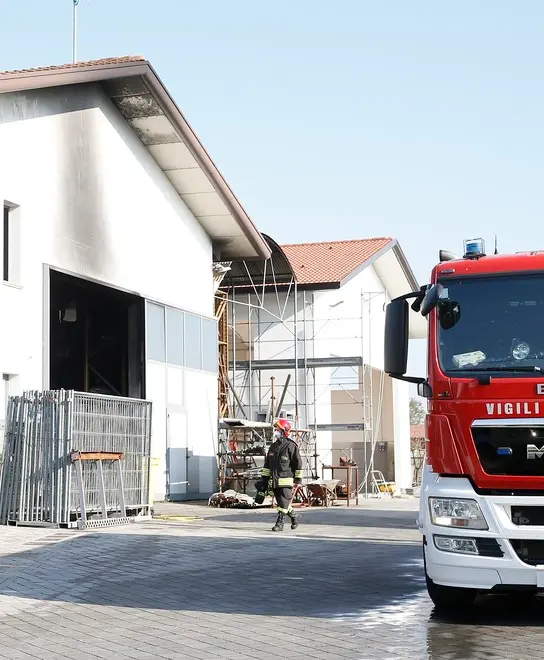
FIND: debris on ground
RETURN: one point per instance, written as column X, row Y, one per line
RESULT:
column 231, row 499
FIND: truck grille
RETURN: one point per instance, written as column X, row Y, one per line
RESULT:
column 489, row 547
column 527, row 515
column 529, row 551
column 505, row 449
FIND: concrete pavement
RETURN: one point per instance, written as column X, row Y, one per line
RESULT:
column 206, row 583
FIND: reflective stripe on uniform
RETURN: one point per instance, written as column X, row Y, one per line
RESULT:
column 265, row 472
column 280, row 510
column 298, row 474
column 285, row 482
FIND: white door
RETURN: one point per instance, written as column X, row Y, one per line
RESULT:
column 176, row 455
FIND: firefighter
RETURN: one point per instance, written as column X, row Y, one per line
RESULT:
column 283, row 469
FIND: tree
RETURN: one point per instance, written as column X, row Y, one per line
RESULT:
column 417, row 412
column 417, row 443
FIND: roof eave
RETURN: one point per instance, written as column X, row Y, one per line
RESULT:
column 202, row 157
column 408, row 272
column 368, row 262
column 38, row 79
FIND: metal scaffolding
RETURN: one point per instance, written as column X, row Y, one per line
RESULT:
column 268, row 337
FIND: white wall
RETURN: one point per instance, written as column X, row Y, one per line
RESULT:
column 94, row 203
column 184, row 431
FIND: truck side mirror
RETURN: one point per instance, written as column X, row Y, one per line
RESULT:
column 424, row 390
column 430, row 301
column 396, row 338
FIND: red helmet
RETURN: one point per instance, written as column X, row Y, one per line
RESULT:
column 283, row 425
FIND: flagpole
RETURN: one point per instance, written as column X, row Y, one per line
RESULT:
column 74, row 31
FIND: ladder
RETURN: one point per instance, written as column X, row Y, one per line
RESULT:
column 382, row 487
column 78, row 458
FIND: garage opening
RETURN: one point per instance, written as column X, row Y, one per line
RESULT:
column 96, row 338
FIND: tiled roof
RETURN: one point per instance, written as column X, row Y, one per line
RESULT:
column 417, row 430
column 331, row 262
column 80, row 65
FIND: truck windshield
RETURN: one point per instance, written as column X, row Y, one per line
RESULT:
column 493, row 323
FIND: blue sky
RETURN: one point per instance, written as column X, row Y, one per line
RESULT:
column 419, row 119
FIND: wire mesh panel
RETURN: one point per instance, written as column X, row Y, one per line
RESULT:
column 111, row 424
column 38, row 480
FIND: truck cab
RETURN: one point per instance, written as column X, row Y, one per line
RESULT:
column 482, row 497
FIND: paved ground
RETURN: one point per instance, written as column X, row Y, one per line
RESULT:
column 347, row 584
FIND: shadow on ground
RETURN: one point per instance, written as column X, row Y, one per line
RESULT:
column 353, row 517
column 259, row 576
column 497, row 610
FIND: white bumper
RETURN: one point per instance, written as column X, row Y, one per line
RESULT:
column 476, row 571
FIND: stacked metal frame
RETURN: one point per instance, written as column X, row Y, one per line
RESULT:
column 38, row 482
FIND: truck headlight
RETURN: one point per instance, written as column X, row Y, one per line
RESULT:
column 450, row 512
column 457, row 544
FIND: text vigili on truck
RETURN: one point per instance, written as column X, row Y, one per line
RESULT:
column 482, row 497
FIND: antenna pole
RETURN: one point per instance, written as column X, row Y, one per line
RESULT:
column 496, row 249
column 74, row 31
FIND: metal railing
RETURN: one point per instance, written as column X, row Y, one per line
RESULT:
column 38, row 484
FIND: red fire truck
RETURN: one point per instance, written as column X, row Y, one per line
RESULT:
column 482, row 496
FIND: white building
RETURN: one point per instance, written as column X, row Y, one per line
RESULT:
column 113, row 214
column 332, row 297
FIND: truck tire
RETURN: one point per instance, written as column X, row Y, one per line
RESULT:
column 448, row 598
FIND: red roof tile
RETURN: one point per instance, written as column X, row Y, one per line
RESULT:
column 80, row 65
column 331, row 262
column 417, row 430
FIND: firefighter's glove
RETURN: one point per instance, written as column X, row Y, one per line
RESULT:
column 259, row 497
column 298, row 482
column 262, row 485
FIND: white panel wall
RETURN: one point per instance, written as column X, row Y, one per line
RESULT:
column 94, row 203
column 201, row 400
column 351, row 319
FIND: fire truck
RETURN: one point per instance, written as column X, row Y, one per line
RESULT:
column 482, row 495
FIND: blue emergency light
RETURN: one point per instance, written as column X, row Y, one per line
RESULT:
column 474, row 248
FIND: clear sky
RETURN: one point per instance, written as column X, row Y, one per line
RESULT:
column 418, row 119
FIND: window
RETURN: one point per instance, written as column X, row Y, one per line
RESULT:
column 8, row 383
column 174, row 336
column 491, row 324
column 11, row 244
column 209, row 345
column 193, row 342
column 6, row 244
column 181, row 339
column 156, row 340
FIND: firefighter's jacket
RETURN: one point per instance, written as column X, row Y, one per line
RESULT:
column 283, row 464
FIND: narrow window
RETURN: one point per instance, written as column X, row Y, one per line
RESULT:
column 210, row 345
column 11, row 244
column 193, row 341
column 6, row 244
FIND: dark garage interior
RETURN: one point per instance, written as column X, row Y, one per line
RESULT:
column 96, row 338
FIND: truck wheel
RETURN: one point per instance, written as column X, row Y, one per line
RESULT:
column 449, row 598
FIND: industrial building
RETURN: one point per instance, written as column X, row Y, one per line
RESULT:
column 130, row 269
column 113, row 215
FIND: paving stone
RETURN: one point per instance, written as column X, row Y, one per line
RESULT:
column 348, row 584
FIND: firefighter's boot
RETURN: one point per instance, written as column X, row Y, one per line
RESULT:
column 294, row 519
column 278, row 527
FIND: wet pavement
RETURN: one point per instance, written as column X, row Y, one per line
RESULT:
column 207, row 583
